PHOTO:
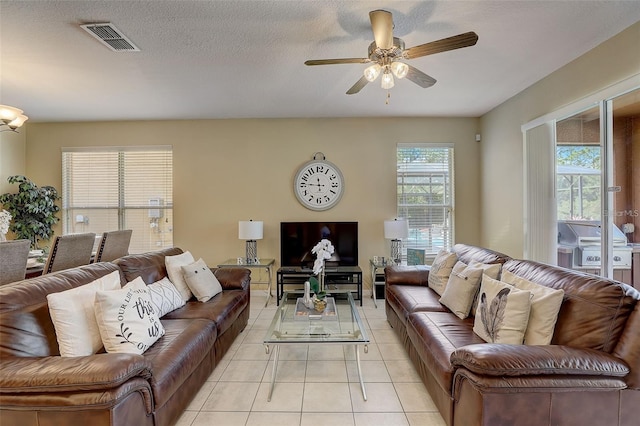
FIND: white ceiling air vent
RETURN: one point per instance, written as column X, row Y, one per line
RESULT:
column 111, row 37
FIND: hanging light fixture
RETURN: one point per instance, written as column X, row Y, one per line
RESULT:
column 372, row 72
column 387, row 79
column 11, row 117
column 400, row 69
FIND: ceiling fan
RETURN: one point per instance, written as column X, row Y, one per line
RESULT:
column 387, row 51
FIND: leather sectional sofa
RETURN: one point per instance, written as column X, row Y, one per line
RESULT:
column 39, row 387
column 588, row 375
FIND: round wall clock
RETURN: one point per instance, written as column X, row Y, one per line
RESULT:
column 318, row 184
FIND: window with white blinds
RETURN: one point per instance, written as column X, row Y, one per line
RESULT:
column 425, row 195
column 111, row 188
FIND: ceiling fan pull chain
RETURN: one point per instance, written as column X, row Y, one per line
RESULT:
column 386, row 102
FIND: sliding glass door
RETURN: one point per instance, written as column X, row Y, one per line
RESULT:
column 597, row 187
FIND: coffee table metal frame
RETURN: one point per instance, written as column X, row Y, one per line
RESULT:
column 346, row 329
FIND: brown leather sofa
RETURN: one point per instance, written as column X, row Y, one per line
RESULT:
column 39, row 387
column 588, row 375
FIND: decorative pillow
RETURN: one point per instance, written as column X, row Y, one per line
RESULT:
column 545, row 305
column 127, row 320
column 174, row 266
column 201, row 280
column 490, row 269
column 503, row 312
column 461, row 289
column 440, row 270
column 73, row 319
column 165, row 296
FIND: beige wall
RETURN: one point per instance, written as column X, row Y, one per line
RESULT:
column 502, row 180
column 240, row 169
column 12, row 157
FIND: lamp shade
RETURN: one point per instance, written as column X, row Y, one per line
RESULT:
column 250, row 230
column 396, row 229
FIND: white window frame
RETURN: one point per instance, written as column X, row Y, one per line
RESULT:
column 425, row 233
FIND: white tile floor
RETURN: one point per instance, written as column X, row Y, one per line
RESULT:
column 314, row 386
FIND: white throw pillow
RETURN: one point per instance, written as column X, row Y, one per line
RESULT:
column 503, row 312
column 461, row 289
column 440, row 270
column 165, row 296
column 545, row 305
column 490, row 269
column 201, row 280
column 174, row 266
column 127, row 320
column 73, row 319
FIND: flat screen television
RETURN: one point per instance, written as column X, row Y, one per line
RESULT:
column 298, row 238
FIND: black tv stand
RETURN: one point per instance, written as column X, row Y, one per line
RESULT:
column 334, row 278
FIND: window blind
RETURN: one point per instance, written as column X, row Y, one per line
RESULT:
column 113, row 188
column 425, row 189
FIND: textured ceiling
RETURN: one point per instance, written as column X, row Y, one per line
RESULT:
column 238, row 59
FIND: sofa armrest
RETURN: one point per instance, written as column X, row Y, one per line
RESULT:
column 407, row 275
column 522, row 360
column 61, row 374
column 233, row 278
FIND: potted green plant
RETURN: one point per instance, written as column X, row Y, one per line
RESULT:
column 33, row 209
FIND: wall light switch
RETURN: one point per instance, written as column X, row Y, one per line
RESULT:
column 79, row 218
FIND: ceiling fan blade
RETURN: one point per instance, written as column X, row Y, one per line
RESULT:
column 382, row 26
column 443, row 45
column 358, row 86
column 420, row 78
column 337, row 61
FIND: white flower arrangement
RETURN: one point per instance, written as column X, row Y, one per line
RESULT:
column 323, row 251
column 5, row 220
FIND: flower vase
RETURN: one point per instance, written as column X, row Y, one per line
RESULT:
column 308, row 302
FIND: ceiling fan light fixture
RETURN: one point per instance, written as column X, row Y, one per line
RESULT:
column 400, row 69
column 387, row 79
column 9, row 113
column 372, row 72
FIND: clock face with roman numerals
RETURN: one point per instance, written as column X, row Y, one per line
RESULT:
column 318, row 185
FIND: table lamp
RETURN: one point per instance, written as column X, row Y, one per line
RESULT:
column 251, row 231
column 395, row 230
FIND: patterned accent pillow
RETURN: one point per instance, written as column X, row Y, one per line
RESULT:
column 127, row 319
column 461, row 289
column 440, row 270
column 545, row 305
column 165, row 296
column 503, row 312
column 490, row 269
column 201, row 280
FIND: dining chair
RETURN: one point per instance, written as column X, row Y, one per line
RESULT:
column 13, row 260
column 69, row 251
column 113, row 245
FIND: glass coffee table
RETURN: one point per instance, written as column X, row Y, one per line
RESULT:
column 340, row 323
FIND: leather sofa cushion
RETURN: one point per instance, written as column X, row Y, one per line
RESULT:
column 177, row 354
column 405, row 299
column 594, row 310
column 26, row 329
column 435, row 336
column 149, row 266
column 223, row 309
column 467, row 253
